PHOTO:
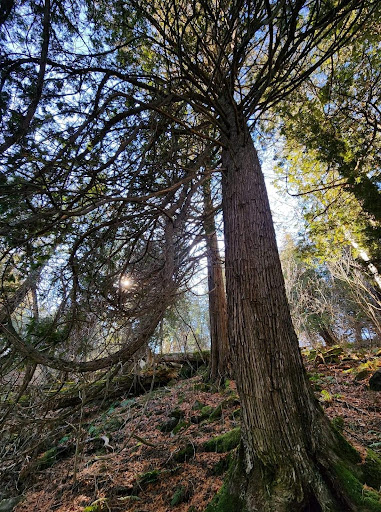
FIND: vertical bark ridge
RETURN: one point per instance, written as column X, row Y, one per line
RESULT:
column 220, row 356
column 283, row 427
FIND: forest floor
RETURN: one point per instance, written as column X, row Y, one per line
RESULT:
column 160, row 457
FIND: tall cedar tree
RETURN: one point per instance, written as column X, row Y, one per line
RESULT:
column 228, row 62
column 233, row 61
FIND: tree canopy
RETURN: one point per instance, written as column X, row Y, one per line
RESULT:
column 114, row 119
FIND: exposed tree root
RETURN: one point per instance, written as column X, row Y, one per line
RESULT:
column 338, row 485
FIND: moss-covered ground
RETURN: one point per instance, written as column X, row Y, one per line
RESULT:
column 171, row 449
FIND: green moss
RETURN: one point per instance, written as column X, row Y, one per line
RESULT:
column 203, row 371
column 325, row 396
column 338, row 424
column 94, row 430
column 148, row 478
column 217, row 413
column 97, row 506
column 231, row 400
column 179, row 426
column 310, row 354
column 221, row 466
column 206, row 411
column 64, row 439
column 224, row 442
column 372, row 470
column 198, row 406
column 129, row 499
column 179, row 496
column 346, row 451
column 224, row 501
column 68, row 387
column 227, row 383
column 365, row 499
column 101, row 383
column 201, row 386
column 363, row 374
column 186, row 371
column 130, row 402
column 185, row 453
column 177, row 413
column 113, row 424
column 47, row 459
column 332, row 355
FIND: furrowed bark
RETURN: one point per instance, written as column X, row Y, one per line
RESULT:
column 218, row 321
column 289, row 446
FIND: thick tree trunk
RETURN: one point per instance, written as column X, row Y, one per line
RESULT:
column 328, row 335
column 218, row 320
column 288, row 444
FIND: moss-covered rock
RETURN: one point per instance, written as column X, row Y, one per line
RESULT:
column 223, row 443
column 375, row 381
column 47, row 459
column 333, row 354
column 338, row 424
column 206, row 411
column 231, row 400
column 7, row 505
column 367, row 500
column 345, row 450
column 362, row 375
column 113, row 424
column 185, row 453
column 177, row 413
column 224, row 501
column 180, row 426
column 169, row 425
column 216, row 413
column 372, row 470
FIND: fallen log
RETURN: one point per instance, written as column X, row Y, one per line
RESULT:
column 129, row 385
column 71, row 394
column 186, row 358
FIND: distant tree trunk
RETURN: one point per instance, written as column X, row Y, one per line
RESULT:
column 161, row 336
column 219, row 352
column 35, row 308
column 12, row 301
column 357, row 331
column 328, row 335
column 289, row 449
